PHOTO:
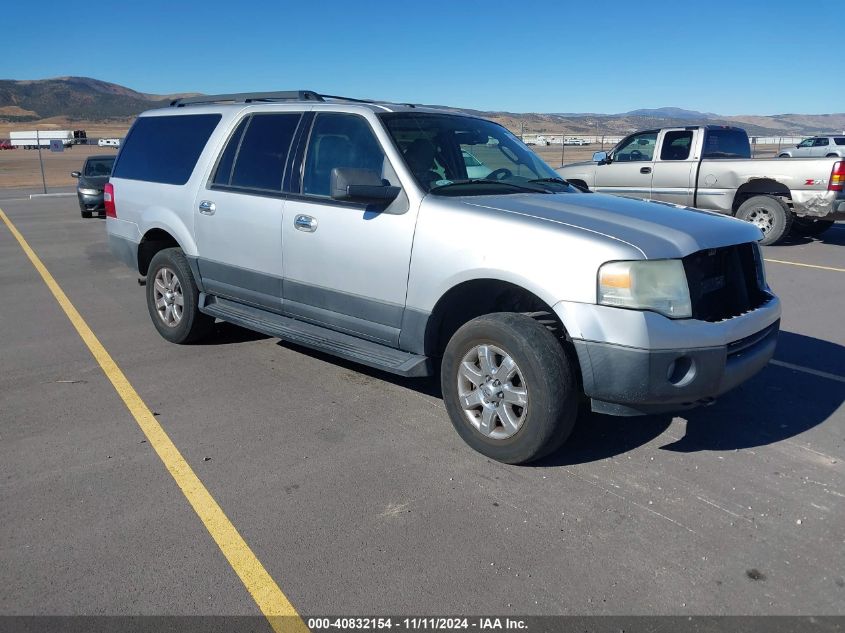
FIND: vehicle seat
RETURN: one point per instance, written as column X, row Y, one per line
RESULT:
column 420, row 158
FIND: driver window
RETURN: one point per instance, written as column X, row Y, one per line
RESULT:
column 806, row 143
column 636, row 148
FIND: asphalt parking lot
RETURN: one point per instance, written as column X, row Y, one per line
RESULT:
column 357, row 496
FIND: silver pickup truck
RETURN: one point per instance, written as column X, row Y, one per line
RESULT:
column 358, row 229
column 710, row 167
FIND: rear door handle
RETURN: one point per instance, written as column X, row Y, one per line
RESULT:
column 207, row 207
column 305, row 223
column 645, row 170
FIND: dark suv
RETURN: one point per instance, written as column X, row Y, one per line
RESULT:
column 93, row 177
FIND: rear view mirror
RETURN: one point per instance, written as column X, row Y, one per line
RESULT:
column 75, row 174
column 600, row 158
column 351, row 184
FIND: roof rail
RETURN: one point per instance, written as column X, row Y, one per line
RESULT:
column 286, row 95
column 249, row 97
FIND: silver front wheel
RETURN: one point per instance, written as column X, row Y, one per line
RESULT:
column 168, row 297
column 492, row 392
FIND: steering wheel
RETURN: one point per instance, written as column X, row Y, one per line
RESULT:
column 500, row 174
column 636, row 154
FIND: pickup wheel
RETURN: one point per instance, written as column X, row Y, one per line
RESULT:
column 784, row 156
column 509, row 387
column 810, row 227
column 173, row 298
column 771, row 215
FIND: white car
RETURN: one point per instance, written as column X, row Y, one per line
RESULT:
column 816, row 146
column 475, row 168
column 576, row 141
column 108, row 142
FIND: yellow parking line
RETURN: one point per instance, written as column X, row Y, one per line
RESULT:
column 780, row 261
column 280, row 613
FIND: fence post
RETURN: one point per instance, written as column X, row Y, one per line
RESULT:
column 40, row 160
column 562, row 148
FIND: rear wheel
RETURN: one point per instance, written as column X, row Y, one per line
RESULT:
column 832, row 156
column 509, row 387
column 173, row 298
column 771, row 215
column 784, row 156
column 810, row 227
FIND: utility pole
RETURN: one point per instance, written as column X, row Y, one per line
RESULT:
column 41, row 161
column 562, row 147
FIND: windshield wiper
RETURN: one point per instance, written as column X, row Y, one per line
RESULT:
column 487, row 181
column 560, row 180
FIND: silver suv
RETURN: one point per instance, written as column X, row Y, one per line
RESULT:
column 354, row 228
column 828, row 146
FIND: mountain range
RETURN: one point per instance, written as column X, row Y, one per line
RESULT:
column 86, row 99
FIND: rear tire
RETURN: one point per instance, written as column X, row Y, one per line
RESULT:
column 509, row 387
column 784, row 156
column 173, row 299
column 810, row 227
column 771, row 215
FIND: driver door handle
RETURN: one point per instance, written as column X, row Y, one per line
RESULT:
column 645, row 170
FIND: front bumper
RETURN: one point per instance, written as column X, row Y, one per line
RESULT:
column 93, row 203
column 665, row 365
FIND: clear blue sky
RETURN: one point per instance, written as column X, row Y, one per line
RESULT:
column 737, row 57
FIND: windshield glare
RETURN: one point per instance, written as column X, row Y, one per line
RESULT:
column 443, row 149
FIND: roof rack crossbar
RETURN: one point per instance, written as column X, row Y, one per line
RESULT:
column 287, row 95
column 249, row 97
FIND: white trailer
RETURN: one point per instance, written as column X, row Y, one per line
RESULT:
column 31, row 139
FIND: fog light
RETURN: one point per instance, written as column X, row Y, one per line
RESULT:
column 681, row 371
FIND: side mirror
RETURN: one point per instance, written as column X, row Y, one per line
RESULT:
column 351, row 184
column 600, row 158
column 75, row 174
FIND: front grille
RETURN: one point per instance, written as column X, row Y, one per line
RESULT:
column 723, row 282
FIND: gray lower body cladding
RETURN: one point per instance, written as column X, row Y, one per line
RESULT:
column 630, row 381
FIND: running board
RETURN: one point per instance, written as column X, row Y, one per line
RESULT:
column 318, row 338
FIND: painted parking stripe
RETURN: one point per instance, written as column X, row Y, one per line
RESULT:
column 280, row 613
column 808, row 370
column 780, row 261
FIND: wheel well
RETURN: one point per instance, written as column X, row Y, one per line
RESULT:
column 475, row 298
column 153, row 241
column 758, row 187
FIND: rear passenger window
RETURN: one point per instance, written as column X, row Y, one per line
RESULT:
column 676, row 145
column 260, row 160
column 341, row 140
column 164, row 149
column 821, row 142
column 840, row 140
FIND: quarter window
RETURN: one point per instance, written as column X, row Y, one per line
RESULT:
column 164, row 149
column 341, row 140
column 260, row 159
column 676, row 145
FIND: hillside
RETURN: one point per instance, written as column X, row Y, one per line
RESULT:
column 73, row 99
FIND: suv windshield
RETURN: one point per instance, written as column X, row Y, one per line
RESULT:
column 99, row 166
column 451, row 154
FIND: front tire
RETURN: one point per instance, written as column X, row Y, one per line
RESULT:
column 509, row 387
column 810, row 227
column 771, row 215
column 173, row 298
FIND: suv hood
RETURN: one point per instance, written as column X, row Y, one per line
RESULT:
column 657, row 229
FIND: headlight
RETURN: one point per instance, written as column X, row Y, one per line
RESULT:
column 88, row 192
column 659, row 285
